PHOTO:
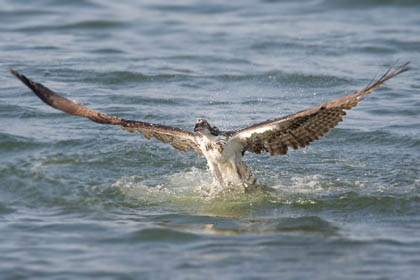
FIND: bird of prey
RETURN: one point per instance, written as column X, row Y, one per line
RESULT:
column 223, row 150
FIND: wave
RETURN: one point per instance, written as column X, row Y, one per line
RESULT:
column 84, row 24
column 13, row 143
column 376, row 137
column 202, row 8
column 370, row 3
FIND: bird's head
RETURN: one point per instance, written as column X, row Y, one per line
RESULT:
column 202, row 126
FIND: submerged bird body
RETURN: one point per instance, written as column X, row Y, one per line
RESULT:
column 224, row 150
column 224, row 159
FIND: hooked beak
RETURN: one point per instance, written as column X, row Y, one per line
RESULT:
column 198, row 127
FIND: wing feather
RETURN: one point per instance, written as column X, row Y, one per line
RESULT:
column 302, row 128
column 180, row 139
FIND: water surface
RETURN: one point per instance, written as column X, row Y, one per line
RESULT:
column 79, row 200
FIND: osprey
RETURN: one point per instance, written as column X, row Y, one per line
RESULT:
column 223, row 150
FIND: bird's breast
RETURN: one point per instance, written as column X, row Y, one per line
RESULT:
column 217, row 146
column 213, row 149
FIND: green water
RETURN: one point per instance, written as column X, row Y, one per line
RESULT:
column 80, row 200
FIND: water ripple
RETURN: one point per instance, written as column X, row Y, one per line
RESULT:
column 88, row 24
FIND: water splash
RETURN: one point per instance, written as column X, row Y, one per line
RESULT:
column 189, row 191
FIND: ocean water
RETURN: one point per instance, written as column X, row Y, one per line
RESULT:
column 79, row 200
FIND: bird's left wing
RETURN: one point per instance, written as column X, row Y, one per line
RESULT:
column 302, row 128
column 180, row 139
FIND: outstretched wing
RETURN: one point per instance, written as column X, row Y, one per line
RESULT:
column 180, row 139
column 301, row 129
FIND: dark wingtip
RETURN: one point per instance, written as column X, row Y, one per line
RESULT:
column 15, row 73
column 404, row 67
column 401, row 68
column 398, row 70
column 44, row 93
column 21, row 77
column 392, row 71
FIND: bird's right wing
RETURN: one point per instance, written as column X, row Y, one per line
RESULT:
column 179, row 139
column 301, row 129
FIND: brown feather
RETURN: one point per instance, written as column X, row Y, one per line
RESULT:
column 180, row 139
column 302, row 128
